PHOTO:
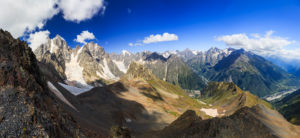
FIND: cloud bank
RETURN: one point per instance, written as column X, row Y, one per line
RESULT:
column 267, row 45
column 38, row 38
column 22, row 16
column 83, row 36
column 160, row 38
column 80, row 10
column 25, row 15
column 155, row 39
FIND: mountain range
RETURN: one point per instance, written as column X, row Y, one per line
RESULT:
column 57, row 91
column 89, row 65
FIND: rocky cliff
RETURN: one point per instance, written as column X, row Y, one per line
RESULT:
column 27, row 107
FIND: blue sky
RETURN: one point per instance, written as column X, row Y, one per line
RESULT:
column 197, row 23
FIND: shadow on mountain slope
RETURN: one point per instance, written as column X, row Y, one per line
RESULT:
column 103, row 108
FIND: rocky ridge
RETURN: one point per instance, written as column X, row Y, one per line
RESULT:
column 257, row 121
column 27, row 107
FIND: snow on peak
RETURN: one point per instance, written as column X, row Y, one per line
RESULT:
column 120, row 65
column 57, row 43
column 195, row 52
column 74, row 70
column 106, row 73
column 168, row 53
column 53, row 47
column 58, row 37
column 78, row 52
column 227, row 51
column 124, row 52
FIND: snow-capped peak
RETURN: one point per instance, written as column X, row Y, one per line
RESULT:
column 195, row 52
column 227, row 51
column 124, row 52
column 58, row 37
column 166, row 54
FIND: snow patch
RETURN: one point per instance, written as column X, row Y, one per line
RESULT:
column 125, row 52
column 78, row 52
column 106, row 74
column 74, row 70
column 166, row 55
column 75, row 90
column 120, row 65
column 227, row 51
column 195, row 52
column 210, row 111
column 53, row 47
column 59, row 94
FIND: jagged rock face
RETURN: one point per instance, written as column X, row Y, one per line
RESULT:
column 52, row 67
column 95, row 50
column 97, row 64
column 57, row 46
column 18, row 64
column 246, row 122
column 27, row 108
column 86, row 65
column 53, row 55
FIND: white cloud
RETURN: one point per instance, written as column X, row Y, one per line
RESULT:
column 155, row 39
column 160, row 38
column 22, row 16
column 268, row 45
column 25, row 15
column 38, row 38
column 80, row 10
column 84, row 35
